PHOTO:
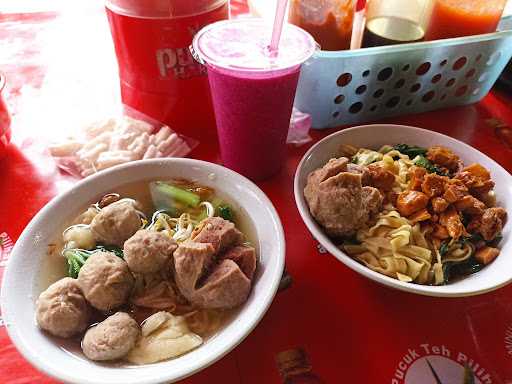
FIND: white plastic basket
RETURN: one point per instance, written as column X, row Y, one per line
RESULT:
column 347, row 87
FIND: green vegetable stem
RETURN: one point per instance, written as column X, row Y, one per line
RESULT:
column 181, row 195
column 410, row 150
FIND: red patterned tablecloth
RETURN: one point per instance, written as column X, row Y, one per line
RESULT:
column 353, row 330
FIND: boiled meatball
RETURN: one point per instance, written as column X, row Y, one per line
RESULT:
column 111, row 339
column 116, row 223
column 148, row 251
column 62, row 309
column 105, row 281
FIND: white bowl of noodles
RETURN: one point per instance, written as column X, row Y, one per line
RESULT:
column 493, row 276
column 22, row 280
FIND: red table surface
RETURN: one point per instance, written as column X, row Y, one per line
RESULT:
column 353, row 330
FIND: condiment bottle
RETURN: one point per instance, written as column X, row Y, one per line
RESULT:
column 395, row 22
column 328, row 21
column 455, row 18
column 295, row 368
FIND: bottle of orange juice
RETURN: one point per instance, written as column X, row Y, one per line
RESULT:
column 455, row 18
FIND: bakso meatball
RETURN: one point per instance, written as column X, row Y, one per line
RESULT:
column 111, row 339
column 116, row 223
column 62, row 309
column 148, row 251
column 105, row 280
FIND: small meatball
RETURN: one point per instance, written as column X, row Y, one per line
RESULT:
column 439, row 204
column 492, row 222
column 111, row 339
column 380, row 177
column 116, row 223
column 409, row 202
column 454, row 191
column 470, row 205
column 444, row 157
column 416, row 175
column 62, row 309
column 105, row 281
column 148, row 251
column 433, row 185
column 451, row 220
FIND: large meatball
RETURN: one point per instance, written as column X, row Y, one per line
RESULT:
column 111, row 339
column 148, row 251
column 116, row 223
column 105, row 280
column 62, row 309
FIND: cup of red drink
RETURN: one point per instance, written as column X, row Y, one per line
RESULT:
column 252, row 90
column 158, row 74
column 5, row 120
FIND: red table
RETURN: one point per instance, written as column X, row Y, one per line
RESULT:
column 353, row 330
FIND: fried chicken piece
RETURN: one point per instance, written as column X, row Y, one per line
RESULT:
column 470, row 205
column 454, row 191
column 422, row 215
column 486, row 254
column 409, row 202
column 451, row 220
column 440, row 232
column 439, row 204
column 433, row 185
column 416, row 175
column 492, row 222
column 380, row 177
column 444, row 157
column 476, row 178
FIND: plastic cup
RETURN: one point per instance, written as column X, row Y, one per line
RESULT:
column 252, row 93
column 158, row 75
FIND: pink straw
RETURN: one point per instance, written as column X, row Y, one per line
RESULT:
column 358, row 24
column 278, row 27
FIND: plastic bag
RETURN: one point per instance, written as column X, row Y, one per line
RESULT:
column 115, row 140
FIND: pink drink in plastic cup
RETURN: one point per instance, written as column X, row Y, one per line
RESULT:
column 252, row 93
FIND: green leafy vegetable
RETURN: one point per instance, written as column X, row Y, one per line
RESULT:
column 77, row 257
column 178, row 194
column 225, row 212
column 411, row 150
column 443, row 249
column 422, row 161
column 464, row 268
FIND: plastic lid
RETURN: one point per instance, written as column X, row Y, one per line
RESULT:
column 242, row 44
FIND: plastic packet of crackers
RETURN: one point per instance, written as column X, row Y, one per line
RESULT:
column 118, row 140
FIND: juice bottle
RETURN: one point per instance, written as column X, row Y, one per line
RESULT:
column 295, row 368
column 395, row 22
column 158, row 75
column 455, row 18
column 328, row 21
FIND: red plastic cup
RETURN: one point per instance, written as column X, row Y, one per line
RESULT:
column 158, row 74
column 5, row 120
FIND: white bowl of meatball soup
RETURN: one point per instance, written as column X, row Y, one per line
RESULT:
column 145, row 273
column 409, row 208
